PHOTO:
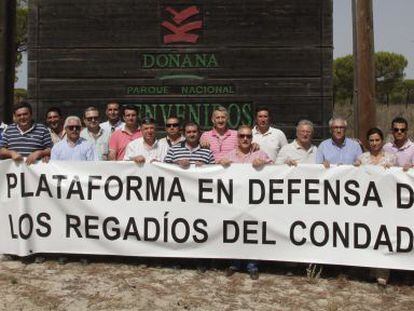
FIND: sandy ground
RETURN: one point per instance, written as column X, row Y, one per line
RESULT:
column 130, row 284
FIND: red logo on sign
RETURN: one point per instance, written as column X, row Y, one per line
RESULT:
column 180, row 29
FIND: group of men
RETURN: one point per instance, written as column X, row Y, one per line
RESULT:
column 125, row 139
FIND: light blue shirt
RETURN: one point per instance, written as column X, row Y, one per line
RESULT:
column 83, row 150
column 347, row 153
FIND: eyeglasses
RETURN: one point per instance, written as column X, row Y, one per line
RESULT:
column 400, row 130
column 172, row 125
column 92, row 118
column 339, row 128
column 73, row 127
column 242, row 136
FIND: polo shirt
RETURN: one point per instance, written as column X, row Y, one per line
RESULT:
column 183, row 152
column 270, row 142
column 83, row 150
column 220, row 144
column 405, row 154
column 119, row 141
column 296, row 152
column 237, row 156
column 138, row 147
column 101, row 142
column 167, row 141
column 35, row 138
column 112, row 128
column 346, row 153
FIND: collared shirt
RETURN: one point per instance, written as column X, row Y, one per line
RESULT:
column 183, row 152
column 101, row 141
column 347, row 153
column 35, row 138
column 82, row 150
column 237, row 156
column 220, row 144
column 119, row 141
column 405, row 154
column 270, row 142
column 138, row 147
column 107, row 126
column 296, row 152
column 56, row 137
column 167, row 141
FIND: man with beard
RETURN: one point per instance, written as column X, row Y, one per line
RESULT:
column 54, row 121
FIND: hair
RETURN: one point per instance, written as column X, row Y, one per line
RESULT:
column 399, row 120
column 244, row 126
column 72, row 118
column 90, row 108
column 54, row 109
column 21, row 105
column 220, row 109
column 261, row 108
column 173, row 117
column 147, row 120
column 375, row 130
column 187, row 124
column 112, row 102
column 129, row 107
column 338, row 118
column 305, row 122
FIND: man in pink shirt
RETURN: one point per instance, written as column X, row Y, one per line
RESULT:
column 122, row 137
column 402, row 147
column 220, row 139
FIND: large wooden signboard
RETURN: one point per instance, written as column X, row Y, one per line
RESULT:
column 185, row 57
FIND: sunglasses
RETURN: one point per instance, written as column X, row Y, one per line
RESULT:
column 172, row 125
column 401, row 130
column 242, row 136
column 73, row 127
column 92, row 118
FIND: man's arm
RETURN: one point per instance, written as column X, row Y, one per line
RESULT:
column 10, row 154
column 36, row 155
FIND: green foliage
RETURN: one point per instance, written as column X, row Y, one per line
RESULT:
column 21, row 30
column 343, row 77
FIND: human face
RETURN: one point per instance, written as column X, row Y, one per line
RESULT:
column 53, row 120
column 375, row 142
column 192, row 135
column 338, row 130
column 73, row 128
column 130, row 118
column 400, row 131
column 23, row 118
column 263, row 119
column 112, row 112
column 172, row 127
column 244, row 139
column 219, row 119
column 91, row 119
column 148, row 132
column 304, row 134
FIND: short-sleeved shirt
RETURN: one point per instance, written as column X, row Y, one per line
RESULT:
column 220, row 144
column 386, row 159
column 56, row 137
column 166, row 141
column 112, row 128
column 346, row 153
column 34, row 139
column 270, row 142
column 296, row 152
column 405, row 154
column 236, row 156
column 101, row 142
column 119, row 141
column 138, row 147
column 183, row 152
column 83, row 150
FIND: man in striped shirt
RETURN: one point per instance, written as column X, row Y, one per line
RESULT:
column 189, row 151
column 24, row 138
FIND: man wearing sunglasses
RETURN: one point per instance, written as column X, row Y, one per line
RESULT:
column 172, row 128
column 402, row 146
column 74, row 147
column 95, row 133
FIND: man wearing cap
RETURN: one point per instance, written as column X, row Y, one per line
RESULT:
column 146, row 149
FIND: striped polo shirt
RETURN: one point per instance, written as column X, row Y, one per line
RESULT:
column 182, row 152
column 35, row 138
column 220, row 145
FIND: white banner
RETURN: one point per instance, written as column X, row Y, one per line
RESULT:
column 342, row 215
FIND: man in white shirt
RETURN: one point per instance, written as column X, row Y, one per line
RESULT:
column 173, row 130
column 114, row 120
column 147, row 148
column 270, row 139
column 301, row 149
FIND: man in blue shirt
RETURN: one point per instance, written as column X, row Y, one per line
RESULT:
column 338, row 149
column 74, row 147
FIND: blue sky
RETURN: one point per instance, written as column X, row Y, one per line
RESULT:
column 393, row 28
